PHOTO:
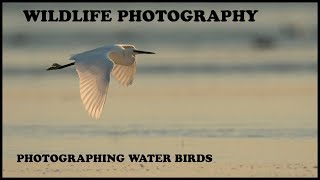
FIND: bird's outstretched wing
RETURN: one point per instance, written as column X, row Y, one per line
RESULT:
column 124, row 74
column 94, row 72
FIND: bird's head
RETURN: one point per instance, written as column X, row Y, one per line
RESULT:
column 131, row 50
column 125, row 54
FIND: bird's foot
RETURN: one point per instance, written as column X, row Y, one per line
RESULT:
column 54, row 67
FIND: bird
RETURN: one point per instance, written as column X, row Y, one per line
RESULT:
column 94, row 68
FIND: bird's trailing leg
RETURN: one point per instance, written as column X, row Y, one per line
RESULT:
column 56, row 66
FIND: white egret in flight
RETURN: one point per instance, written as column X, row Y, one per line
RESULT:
column 94, row 68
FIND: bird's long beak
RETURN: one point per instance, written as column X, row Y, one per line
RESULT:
column 142, row 52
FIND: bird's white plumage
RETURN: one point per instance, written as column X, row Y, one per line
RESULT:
column 94, row 68
column 94, row 72
column 124, row 74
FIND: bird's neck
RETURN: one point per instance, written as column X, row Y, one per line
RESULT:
column 122, row 58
